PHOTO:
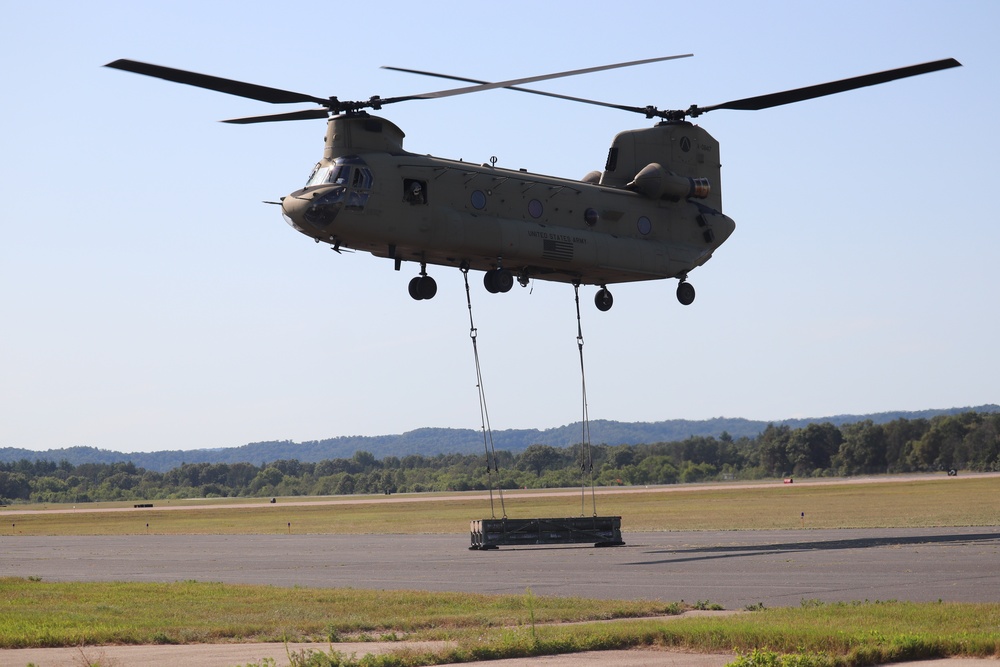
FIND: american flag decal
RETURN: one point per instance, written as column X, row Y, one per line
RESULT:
column 557, row 250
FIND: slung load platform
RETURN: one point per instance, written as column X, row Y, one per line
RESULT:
column 601, row 531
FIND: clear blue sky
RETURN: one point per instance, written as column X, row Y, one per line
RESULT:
column 151, row 301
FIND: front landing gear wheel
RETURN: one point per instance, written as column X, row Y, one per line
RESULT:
column 603, row 300
column 685, row 293
column 498, row 280
column 422, row 288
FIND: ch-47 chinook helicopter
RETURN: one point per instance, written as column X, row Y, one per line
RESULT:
column 655, row 211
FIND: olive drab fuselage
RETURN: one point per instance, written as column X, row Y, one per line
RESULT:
column 654, row 213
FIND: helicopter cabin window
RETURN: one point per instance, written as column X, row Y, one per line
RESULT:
column 414, row 191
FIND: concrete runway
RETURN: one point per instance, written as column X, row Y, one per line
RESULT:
column 734, row 569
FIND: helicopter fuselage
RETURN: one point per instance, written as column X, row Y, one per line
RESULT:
column 654, row 212
column 369, row 194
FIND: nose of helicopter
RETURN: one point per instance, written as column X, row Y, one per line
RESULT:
column 293, row 209
column 313, row 211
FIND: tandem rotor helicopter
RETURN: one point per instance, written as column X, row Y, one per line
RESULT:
column 655, row 212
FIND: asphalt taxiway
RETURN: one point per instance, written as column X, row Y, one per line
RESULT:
column 734, row 569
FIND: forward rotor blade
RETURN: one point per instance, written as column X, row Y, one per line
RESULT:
column 521, row 90
column 831, row 88
column 531, row 79
column 218, row 84
column 305, row 114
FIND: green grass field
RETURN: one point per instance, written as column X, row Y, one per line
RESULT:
column 39, row 613
column 478, row 627
column 934, row 501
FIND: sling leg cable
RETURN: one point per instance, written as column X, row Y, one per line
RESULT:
column 484, row 414
column 587, row 464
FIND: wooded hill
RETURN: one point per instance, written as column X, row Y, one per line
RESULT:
column 963, row 441
column 434, row 441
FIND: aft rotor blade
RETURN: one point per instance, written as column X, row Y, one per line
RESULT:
column 522, row 90
column 831, row 88
column 305, row 114
column 531, row 79
column 218, row 84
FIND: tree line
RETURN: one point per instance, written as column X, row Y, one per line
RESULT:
column 966, row 441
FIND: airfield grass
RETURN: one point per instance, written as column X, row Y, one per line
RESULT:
column 932, row 501
column 480, row 627
column 38, row 613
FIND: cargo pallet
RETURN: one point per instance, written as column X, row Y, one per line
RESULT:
column 601, row 531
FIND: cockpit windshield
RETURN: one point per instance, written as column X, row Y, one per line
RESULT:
column 346, row 182
column 331, row 174
column 347, row 170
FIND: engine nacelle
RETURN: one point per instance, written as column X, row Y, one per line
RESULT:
column 655, row 182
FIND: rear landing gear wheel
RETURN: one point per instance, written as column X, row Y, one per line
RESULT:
column 603, row 300
column 422, row 288
column 685, row 293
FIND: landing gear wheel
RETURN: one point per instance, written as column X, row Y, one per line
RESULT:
column 603, row 300
column 413, row 289
column 422, row 288
column 498, row 280
column 489, row 282
column 685, row 293
column 427, row 287
column 504, row 280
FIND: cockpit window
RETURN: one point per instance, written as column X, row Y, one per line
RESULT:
column 351, row 173
column 348, row 170
column 333, row 174
column 362, row 178
column 318, row 175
